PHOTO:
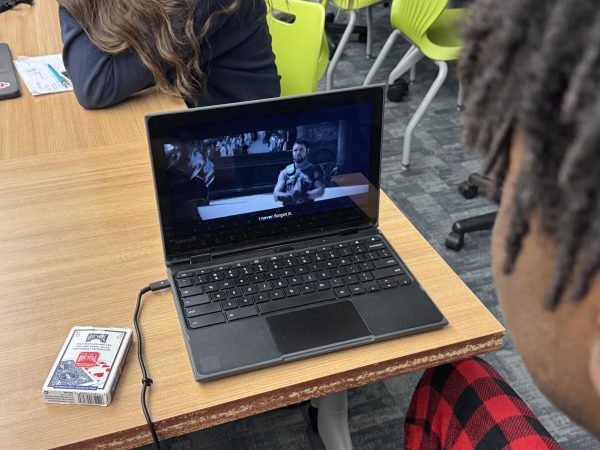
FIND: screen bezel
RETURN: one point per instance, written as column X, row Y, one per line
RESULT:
column 159, row 128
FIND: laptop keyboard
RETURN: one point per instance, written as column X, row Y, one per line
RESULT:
column 264, row 285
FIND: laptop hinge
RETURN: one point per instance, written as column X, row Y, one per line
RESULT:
column 200, row 258
column 347, row 231
column 191, row 260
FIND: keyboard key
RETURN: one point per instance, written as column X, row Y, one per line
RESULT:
column 265, row 286
column 365, row 276
column 227, row 284
column 357, row 289
column 229, row 304
column 322, row 285
column 216, row 276
column 384, row 253
column 286, row 272
column 250, row 289
column 353, row 269
column 184, row 282
column 206, row 320
column 337, row 282
column 292, row 291
column 202, row 309
column 195, row 300
column 189, row 291
column 388, row 272
column 211, row 287
column 277, row 294
column 371, row 287
column 391, row 284
column 293, row 302
column 280, row 283
column 184, row 274
column 256, row 278
column 216, row 296
column 338, row 272
column 234, row 293
column 295, row 280
column 342, row 292
column 351, row 279
column 245, row 270
column 403, row 280
column 245, row 301
column 307, row 288
column 241, row 313
column 377, row 246
column 366, row 266
column 231, row 273
column 380, row 264
column 242, row 281
column 200, row 279
column 261, row 298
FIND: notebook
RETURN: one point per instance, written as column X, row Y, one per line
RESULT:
column 269, row 220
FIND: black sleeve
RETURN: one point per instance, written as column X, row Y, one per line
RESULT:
column 99, row 79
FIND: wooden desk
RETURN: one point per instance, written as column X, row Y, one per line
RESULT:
column 55, row 122
column 79, row 236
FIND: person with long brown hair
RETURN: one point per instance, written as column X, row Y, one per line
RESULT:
column 206, row 51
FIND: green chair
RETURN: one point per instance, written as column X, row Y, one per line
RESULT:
column 351, row 6
column 435, row 33
column 299, row 44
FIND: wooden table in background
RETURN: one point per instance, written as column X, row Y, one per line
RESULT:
column 55, row 122
column 79, row 237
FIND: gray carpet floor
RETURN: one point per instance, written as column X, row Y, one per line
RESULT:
column 427, row 194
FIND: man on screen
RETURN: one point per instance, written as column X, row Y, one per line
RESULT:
column 301, row 181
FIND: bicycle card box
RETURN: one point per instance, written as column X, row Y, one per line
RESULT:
column 88, row 367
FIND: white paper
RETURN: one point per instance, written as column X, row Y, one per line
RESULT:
column 39, row 78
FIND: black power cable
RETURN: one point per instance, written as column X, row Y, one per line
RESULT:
column 146, row 381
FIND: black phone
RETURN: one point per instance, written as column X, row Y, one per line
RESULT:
column 9, row 85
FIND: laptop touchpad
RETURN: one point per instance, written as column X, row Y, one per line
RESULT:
column 323, row 327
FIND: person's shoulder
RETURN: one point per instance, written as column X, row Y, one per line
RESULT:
column 246, row 9
column 289, row 169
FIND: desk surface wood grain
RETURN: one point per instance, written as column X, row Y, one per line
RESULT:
column 79, row 236
column 56, row 122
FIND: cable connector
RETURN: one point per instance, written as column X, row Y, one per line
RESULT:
column 159, row 285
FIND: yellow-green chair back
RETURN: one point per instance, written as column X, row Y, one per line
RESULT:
column 352, row 4
column 435, row 30
column 300, row 48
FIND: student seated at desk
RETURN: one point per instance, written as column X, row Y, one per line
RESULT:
column 532, row 70
column 207, row 51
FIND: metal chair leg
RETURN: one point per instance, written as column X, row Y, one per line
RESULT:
column 369, row 31
column 389, row 43
column 413, row 74
column 433, row 90
column 412, row 57
column 340, row 48
column 333, row 421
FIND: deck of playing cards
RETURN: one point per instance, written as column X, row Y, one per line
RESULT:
column 88, row 366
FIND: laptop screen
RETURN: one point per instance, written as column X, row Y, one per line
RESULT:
column 266, row 172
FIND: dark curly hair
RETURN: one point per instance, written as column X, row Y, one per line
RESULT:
column 534, row 66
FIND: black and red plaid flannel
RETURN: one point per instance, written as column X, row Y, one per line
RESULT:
column 468, row 405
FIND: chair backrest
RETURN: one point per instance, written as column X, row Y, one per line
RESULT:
column 298, row 44
column 414, row 17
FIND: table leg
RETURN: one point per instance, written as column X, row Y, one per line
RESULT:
column 333, row 421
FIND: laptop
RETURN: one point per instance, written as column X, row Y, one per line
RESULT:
column 268, row 212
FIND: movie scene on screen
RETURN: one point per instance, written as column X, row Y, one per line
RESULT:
column 279, row 170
